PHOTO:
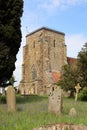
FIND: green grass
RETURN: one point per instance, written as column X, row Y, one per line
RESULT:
column 32, row 112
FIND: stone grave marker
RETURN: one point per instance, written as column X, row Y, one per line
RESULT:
column 77, row 91
column 11, row 98
column 72, row 112
column 55, row 100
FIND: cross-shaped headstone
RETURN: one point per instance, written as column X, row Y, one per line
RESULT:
column 77, row 90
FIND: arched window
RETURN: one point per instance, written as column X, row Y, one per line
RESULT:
column 34, row 73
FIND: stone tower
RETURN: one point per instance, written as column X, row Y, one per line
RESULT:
column 43, row 57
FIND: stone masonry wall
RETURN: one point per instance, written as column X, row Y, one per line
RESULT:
column 45, row 51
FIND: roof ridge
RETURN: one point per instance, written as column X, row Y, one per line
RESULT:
column 46, row 28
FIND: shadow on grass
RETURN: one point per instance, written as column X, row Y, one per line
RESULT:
column 30, row 98
column 24, row 99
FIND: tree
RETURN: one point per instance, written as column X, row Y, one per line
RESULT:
column 10, row 36
column 75, row 74
column 12, row 80
column 69, row 78
column 82, row 65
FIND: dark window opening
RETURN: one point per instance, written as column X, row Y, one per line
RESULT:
column 54, row 43
column 34, row 73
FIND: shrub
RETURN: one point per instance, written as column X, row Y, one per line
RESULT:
column 3, row 99
column 83, row 94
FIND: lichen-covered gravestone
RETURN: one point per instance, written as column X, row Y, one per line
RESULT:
column 11, row 98
column 55, row 100
column 72, row 112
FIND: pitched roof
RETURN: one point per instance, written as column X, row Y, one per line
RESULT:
column 45, row 28
column 71, row 60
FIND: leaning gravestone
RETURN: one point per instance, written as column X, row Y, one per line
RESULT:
column 55, row 100
column 11, row 98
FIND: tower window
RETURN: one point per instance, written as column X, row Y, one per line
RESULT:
column 34, row 44
column 54, row 43
column 34, row 73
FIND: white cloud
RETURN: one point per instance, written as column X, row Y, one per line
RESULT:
column 18, row 71
column 74, row 44
column 18, row 65
column 53, row 4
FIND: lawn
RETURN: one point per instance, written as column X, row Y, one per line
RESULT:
column 32, row 111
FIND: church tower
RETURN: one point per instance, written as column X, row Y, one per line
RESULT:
column 43, row 57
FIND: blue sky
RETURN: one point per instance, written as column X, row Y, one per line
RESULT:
column 68, row 16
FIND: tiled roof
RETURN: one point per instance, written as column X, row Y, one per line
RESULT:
column 71, row 60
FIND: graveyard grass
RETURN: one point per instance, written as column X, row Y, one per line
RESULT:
column 32, row 112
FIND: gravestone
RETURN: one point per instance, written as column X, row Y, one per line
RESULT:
column 55, row 100
column 77, row 91
column 11, row 98
column 72, row 112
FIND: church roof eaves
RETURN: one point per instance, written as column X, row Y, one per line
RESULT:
column 45, row 28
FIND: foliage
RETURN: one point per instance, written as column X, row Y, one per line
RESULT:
column 69, row 78
column 82, row 65
column 83, row 94
column 10, row 36
column 75, row 74
column 3, row 99
column 12, row 80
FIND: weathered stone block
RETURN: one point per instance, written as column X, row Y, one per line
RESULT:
column 11, row 99
column 55, row 100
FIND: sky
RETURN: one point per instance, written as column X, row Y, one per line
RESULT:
column 67, row 16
